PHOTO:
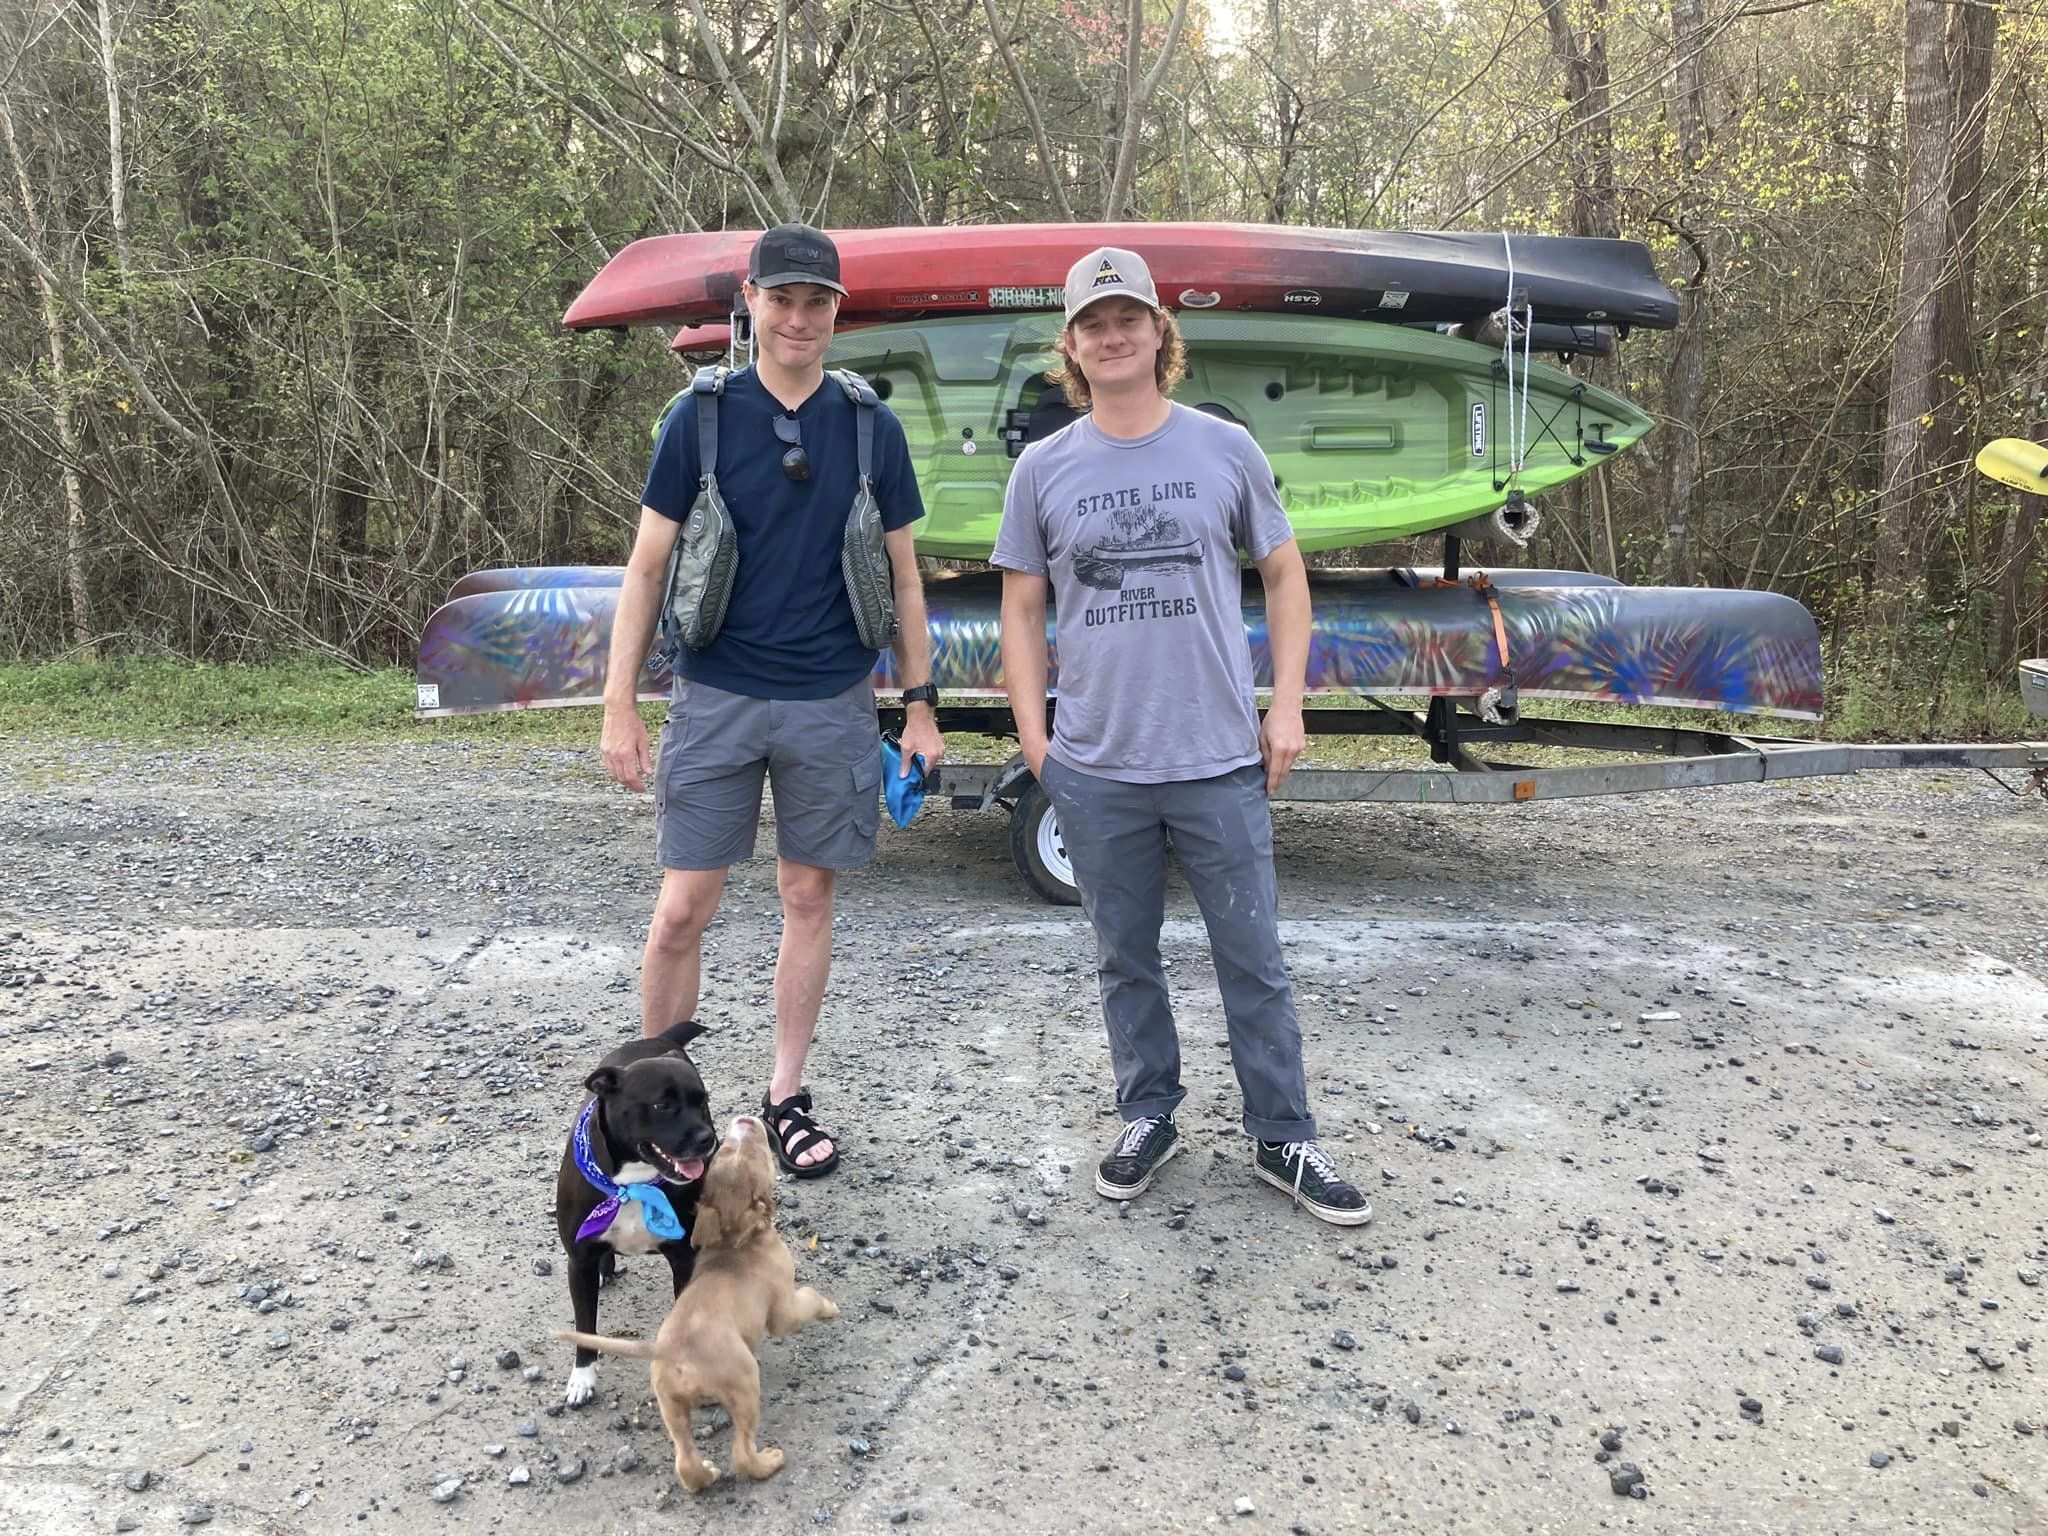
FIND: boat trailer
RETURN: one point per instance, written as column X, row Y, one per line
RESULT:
column 1465, row 770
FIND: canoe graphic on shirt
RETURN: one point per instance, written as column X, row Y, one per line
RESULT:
column 1142, row 541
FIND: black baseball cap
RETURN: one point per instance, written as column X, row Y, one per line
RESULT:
column 795, row 253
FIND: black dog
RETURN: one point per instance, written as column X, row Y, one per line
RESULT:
column 648, row 1124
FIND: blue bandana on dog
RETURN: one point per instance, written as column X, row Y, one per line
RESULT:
column 659, row 1216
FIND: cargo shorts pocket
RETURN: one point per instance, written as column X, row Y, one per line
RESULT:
column 867, row 793
column 668, row 747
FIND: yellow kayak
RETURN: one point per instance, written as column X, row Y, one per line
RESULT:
column 2016, row 462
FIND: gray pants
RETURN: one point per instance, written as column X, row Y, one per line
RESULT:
column 1221, row 830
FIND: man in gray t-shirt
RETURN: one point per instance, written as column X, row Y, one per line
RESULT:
column 1131, row 520
column 1139, row 539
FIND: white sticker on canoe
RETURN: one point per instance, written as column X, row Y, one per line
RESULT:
column 429, row 695
column 1393, row 298
column 1478, row 429
column 1026, row 298
column 1195, row 298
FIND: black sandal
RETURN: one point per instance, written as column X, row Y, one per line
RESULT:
column 794, row 1133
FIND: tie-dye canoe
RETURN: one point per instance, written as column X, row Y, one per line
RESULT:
column 538, row 638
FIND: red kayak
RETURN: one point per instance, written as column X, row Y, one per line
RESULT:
column 907, row 274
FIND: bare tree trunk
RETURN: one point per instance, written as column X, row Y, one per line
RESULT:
column 1287, row 119
column 764, row 143
column 1137, row 97
column 117, row 167
column 77, row 580
column 1972, row 36
column 1916, row 352
column 1588, row 89
column 1053, row 179
column 1685, row 385
column 1590, row 209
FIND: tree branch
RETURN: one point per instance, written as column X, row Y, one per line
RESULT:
column 1136, row 98
column 763, row 144
column 1024, row 93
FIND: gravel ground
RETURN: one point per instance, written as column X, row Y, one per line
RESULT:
column 1701, row 1132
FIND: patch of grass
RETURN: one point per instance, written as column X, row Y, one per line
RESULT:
column 1967, row 708
column 161, row 698
column 1930, row 689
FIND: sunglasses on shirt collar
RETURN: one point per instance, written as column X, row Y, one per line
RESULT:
column 795, row 463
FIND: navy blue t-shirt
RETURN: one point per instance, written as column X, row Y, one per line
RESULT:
column 788, row 632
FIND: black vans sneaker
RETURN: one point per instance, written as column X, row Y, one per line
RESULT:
column 1305, row 1171
column 1126, row 1170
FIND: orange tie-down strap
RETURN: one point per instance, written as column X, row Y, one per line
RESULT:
column 1482, row 584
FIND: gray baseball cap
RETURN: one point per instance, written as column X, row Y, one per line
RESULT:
column 1105, row 273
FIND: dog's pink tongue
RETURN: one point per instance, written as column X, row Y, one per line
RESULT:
column 691, row 1170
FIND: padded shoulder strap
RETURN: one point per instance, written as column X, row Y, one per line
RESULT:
column 865, row 401
column 858, row 389
column 707, row 386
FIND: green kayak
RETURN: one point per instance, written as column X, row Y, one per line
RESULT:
column 1374, row 431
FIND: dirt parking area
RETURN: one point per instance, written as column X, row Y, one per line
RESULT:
column 1702, row 1133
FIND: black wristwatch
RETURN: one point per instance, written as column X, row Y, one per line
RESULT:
column 923, row 693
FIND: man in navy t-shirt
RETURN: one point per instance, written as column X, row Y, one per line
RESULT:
column 782, row 692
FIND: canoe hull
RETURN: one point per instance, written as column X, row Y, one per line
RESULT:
column 1746, row 652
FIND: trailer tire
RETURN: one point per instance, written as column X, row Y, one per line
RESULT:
column 1037, row 849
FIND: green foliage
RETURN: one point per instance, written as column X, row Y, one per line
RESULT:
column 354, row 225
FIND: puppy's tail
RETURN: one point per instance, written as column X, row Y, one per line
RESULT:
column 630, row 1349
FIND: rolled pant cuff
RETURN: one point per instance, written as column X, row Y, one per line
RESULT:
column 1148, row 1109
column 1280, row 1130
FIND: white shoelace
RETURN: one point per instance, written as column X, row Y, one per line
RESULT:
column 1306, row 1154
column 1134, row 1135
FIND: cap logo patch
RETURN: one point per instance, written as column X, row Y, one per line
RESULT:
column 1107, row 275
column 804, row 252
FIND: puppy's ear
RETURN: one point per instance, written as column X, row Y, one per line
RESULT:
column 680, row 1035
column 760, row 1215
column 709, row 1230
column 604, row 1082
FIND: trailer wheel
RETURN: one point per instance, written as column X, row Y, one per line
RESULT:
column 1038, row 850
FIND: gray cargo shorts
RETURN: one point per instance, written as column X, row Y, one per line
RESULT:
column 822, row 760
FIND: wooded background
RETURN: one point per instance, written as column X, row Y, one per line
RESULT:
column 284, row 277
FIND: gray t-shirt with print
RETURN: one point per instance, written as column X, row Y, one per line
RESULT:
column 1139, row 538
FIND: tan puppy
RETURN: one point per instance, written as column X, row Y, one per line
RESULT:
column 744, row 1285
